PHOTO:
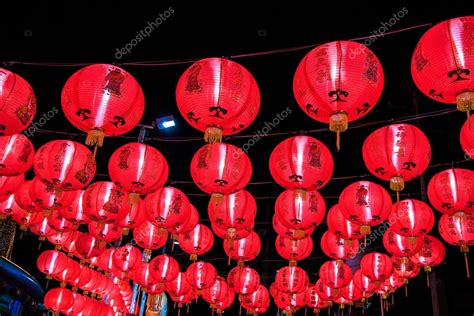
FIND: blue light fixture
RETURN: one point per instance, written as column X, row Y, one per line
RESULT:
column 165, row 122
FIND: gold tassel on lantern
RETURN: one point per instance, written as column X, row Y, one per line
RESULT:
column 465, row 251
column 95, row 137
column 217, row 198
column 133, row 198
column 213, row 134
column 427, row 270
column 338, row 122
column 193, row 257
column 465, row 103
column 397, row 184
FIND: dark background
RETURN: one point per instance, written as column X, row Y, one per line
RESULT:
column 90, row 32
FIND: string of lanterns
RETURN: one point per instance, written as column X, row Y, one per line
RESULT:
column 219, row 97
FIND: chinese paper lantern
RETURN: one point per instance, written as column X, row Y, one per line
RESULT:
column 51, row 262
column 105, row 260
column 75, row 211
column 351, row 293
column 59, row 223
column 363, row 283
column 9, row 185
column 42, row 229
column 23, row 198
column 18, row 103
column 47, row 199
column 244, row 249
column 164, row 268
column 452, row 191
column 87, row 246
column 301, row 163
column 467, row 139
column 401, row 246
column 291, row 279
column 69, row 274
column 167, row 208
column 201, row 275
column 65, row 165
column 432, row 253
column 405, row 269
column 458, row 231
column 232, row 236
column 217, row 96
column 196, row 242
column 141, row 275
column 149, row 237
column 178, row 286
column 442, row 62
column 220, row 170
column 16, row 155
column 293, row 250
column 411, row 218
column 78, row 306
column 334, row 85
column 243, row 280
column 338, row 248
column 221, row 305
column 340, row 226
column 70, row 245
column 9, row 208
column 256, row 302
column 394, row 281
column 105, row 233
column 365, row 203
column 135, row 216
column 105, row 202
column 138, row 169
column 126, row 258
column 335, row 274
column 290, row 302
column 59, row 300
column 294, row 234
column 84, row 277
column 397, row 153
column 218, row 292
column 298, row 212
column 312, row 298
column 102, row 100
column 376, row 266
column 60, row 239
column 26, row 218
column 189, row 223
column 185, row 299
column 325, row 292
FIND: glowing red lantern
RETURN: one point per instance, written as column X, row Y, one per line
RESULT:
column 406, row 269
column 290, row 302
column 60, row 239
column 141, row 275
column 75, row 212
column 340, row 226
column 243, row 280
column 18, row 103
column 301, row 163
column 244, row 249
column 87, row 246
column 350, row 292
column 363, row 283
column 218, row 292
column 135, row 216
column 230, row 237
column 79, row 305
column 220, row 306
column 220, row 169
column 59, row 223
column 294, row 234
column 256, row 302
column 452, row 191
column 23, row 199
column 376, row 266
column 9, row 185
column 9, row 208
column 164, row 268
column 293, row 250
column 51, row 262
column 335, row 274
column 442, row 63
column 59, row 300
column 46, row 198
column 178, row 286
column 312, row 297
column 26, row 218
column 394, row 281
column 338, row 248
column 338, row 82
column 411, row 218
column 196, row 242
column 149, row 237
column 467, row 138
column 102, row 100
column 365, row 203
column 105, row 233
column 70, row 245
column 399, row 245
column 42, row 229
column 16, row 155
column 126, row 258
column 138, row 168
column 300, row 212
column 69, row 274
column 291, row 279
column 217, row 96
column 397, row 153
column 201, row 275
column 325, row 292
column 65, row 164
column 104, row 202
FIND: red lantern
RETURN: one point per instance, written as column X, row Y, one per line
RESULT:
column 190, row 222
column 105, row 233
column 376, row 266
column 406, row 269
column 60, row 239
column 221, row 305
column 105, row 260
column 9, row 185
column 69, row 274
column 458, row 231
column 104, row 202
column 59, row 300
column 290, row 302
column 363, row 283
column 42, row 229
column 135, row 216
column 167, row 208
column 64, row 164
column 59, row 223
column 293, row 250
column 138, row 168
column 149, row 237
column 300, row 212
column 338, row 248
column 301, row 163
column 70, row 245
column 16, row 155
column 51, row 262
column 87, row 246
column 244, row 249
column 164, row 268
column 401, row 246
column 179, row 286
column 351, row 293
column 325, row 292
column 365, row 203
column 340, row 226
column 312, row 298
column 218, row 292
column 141, row 275
column 26, row 218
column 126, row 258
column 338, row 82
column 102, row 100
column 467, row 139
column 196, row 242
column 46, row 198
column 23, row 199
column 217, row 96
column 230, row 237
column 185, row 299
column 201, row 275
column 451, row 191
column 256, row 302
column 243, row 280
column 9, row 208
column 18, row 103
column 397, row 153
column 294, row 234
column 442, row 63
column 335, row 274
column 411, row 218
column 220, row 169
column 291, row 280
column 79, row 305
column 75, row 212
